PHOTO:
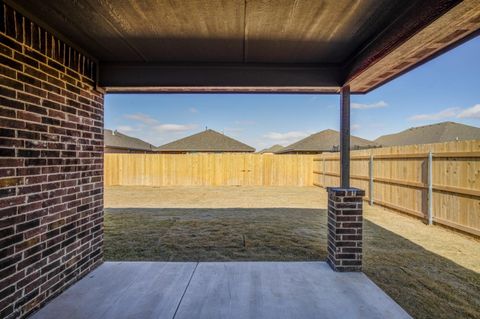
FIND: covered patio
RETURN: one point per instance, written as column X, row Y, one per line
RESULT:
column 59, row 59
column 221, row 290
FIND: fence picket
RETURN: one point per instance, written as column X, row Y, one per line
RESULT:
column 442, row 189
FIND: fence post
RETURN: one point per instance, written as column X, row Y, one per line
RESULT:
column 370, row 173
column 323, row 172
column 430, row 188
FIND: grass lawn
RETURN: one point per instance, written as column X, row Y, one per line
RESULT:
column 431, row 272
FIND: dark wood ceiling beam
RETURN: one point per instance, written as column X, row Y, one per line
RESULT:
column 131, row 75
column 423, row 32
column 416, row 17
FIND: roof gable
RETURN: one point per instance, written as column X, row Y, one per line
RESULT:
column 116, row 139
column 272, row 149
column 434, row 133
column 325, row 141
column 206, row 141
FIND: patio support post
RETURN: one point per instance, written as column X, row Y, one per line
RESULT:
column 345, row 223
column 345, row 205
column 345, row 136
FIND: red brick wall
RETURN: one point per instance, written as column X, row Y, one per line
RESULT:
column 51, row 166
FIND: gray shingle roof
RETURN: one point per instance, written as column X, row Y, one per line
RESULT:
column 435, row 133
column 272, row 149
column 116, row 139
column 206, row 141
column 325, row 141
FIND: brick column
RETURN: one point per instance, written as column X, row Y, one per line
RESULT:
column 345, row 221
column 51, row 165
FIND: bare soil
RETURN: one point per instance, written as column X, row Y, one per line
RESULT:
column 214, row 197
column 431, row 271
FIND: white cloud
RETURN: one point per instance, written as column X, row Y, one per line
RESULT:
column 355, row 127
column 452, row 112
column 233, row 129
column 472, row 112
column 147, row 123
column 443, row 114
column 193, row 110
column 174, row 128
column 235, row 132
column 145, row 119
column 126, row 128
column 282, row 136
column 245, row 122
column 285, row 138
column 152, row 130
column 361, row 106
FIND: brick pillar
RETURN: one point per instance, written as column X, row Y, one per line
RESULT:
column 345, row 221
column 51, row 166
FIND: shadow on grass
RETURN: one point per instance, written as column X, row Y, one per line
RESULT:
column 423, row 283
column 261, row 234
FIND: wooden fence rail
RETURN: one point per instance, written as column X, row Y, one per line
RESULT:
column 443, row 188
column 223, row 169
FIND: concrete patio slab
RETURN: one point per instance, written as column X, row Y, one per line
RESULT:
column 123, row 290
column 221, row 290
column 283, row 290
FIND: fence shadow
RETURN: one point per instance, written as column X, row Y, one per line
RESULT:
column 425, row 284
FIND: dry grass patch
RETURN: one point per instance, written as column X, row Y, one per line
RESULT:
column 225, row 234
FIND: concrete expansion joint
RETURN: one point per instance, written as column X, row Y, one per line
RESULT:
column 186, row 288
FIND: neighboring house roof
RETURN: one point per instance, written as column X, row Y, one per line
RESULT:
column 272, row 149
column 435, row 133
column 206, row 141
column 115, row 139
column 325, row 141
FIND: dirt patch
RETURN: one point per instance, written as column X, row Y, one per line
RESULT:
column 214, row 197
column 430, row 271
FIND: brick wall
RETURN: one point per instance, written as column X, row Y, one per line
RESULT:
column 345, row 225
column 51, row 166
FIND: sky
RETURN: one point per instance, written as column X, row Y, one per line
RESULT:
column 444, row 89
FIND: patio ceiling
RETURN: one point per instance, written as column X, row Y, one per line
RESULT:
column 244, row 45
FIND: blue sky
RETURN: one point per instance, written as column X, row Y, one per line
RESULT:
column 445, row 89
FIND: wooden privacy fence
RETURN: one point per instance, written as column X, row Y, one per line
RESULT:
column 223, row 169
column 443, row 189
column 438, row 182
